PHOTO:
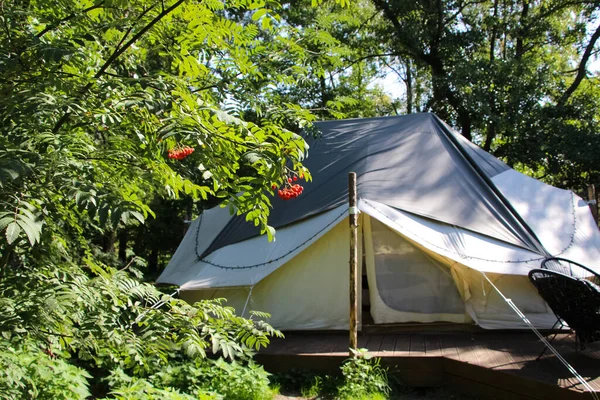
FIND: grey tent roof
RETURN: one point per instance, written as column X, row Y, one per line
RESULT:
column 414, row 163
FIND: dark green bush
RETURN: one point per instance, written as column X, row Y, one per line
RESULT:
column 68, row 332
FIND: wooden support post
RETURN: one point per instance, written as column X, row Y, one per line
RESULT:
column 353, row 218
column 593, row 201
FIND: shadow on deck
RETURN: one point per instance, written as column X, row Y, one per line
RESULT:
column 493, row 364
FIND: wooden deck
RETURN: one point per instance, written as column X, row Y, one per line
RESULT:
column 501, row 365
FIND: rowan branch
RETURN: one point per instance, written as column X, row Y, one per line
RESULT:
column 68, row 18
column 120, row 50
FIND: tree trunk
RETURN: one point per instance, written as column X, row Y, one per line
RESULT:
column 323, row 86
column 123, row 238
column 441, row 88
column 5, row 258
column 153, row 263
column 409, row 88
column 108, row 245
column 491, row 128
column 521, row 31
column 188, row 215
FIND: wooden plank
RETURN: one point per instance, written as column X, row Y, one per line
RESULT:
column 432, row 346
column 340, row 346
column 362, row 341
column 500, row 356
column 374, row 343
column 402, row 346
column 387, row 346
column 416, row 371
column 292, row 344
column 472, row 387
column 565, row 345
column 517, row 386
column 318, row 345
column 466, row 349
column 417, row 345
column 448, row 347
column 502, row 361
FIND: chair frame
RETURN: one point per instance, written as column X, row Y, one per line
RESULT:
column 588, row 275
column 575, row 272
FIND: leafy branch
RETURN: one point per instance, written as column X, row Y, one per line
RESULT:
column 120, row 49
column 69, row 17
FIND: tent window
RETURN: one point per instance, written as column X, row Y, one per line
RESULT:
column 408, row 280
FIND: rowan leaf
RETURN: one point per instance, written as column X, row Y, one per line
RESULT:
column 12, row 232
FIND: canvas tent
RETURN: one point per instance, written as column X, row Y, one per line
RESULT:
column 437, row 212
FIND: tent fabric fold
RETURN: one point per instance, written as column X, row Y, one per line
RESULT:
column 406, row 162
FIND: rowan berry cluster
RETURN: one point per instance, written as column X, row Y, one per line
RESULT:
column 180, row 153
column 290, row 191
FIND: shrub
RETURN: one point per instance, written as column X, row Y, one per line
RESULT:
column 68, row 332
column 27, row 371
column 242, row 379
column 364, row 377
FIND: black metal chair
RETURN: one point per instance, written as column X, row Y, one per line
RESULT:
column 573, row 293
column 571, row 268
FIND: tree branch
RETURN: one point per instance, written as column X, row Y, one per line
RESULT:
column 68, row 18
column 365, row 22
column 120, row 50
column 582, row 70
column 389, row 14
column 559, row 7
column 356, row 61
column 452, row 17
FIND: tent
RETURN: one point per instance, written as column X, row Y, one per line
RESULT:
column 437, row 216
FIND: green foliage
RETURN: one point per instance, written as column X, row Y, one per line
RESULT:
column 364, row 377
column 95, row 96
column 230, row 379
column 27, row 371
column 60, row 319
column 126, row 387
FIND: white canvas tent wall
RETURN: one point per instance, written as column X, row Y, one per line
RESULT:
column 437, row 213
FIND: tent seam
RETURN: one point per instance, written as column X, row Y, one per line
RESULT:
column 266, row 262
column 497, row 261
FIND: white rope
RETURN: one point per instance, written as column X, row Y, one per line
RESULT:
column 543, row 339
column 155, row 306
column 247, row 300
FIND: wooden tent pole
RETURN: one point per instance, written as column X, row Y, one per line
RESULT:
column 353, row 218
column 593, row 201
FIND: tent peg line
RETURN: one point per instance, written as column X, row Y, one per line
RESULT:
column 247, row 300
column 158, row 303
column 545, row 341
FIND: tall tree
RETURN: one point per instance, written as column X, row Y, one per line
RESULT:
column 496, row 67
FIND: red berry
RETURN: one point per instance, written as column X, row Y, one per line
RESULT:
column 295, row 178
column 273, row 186
column 290, row 180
